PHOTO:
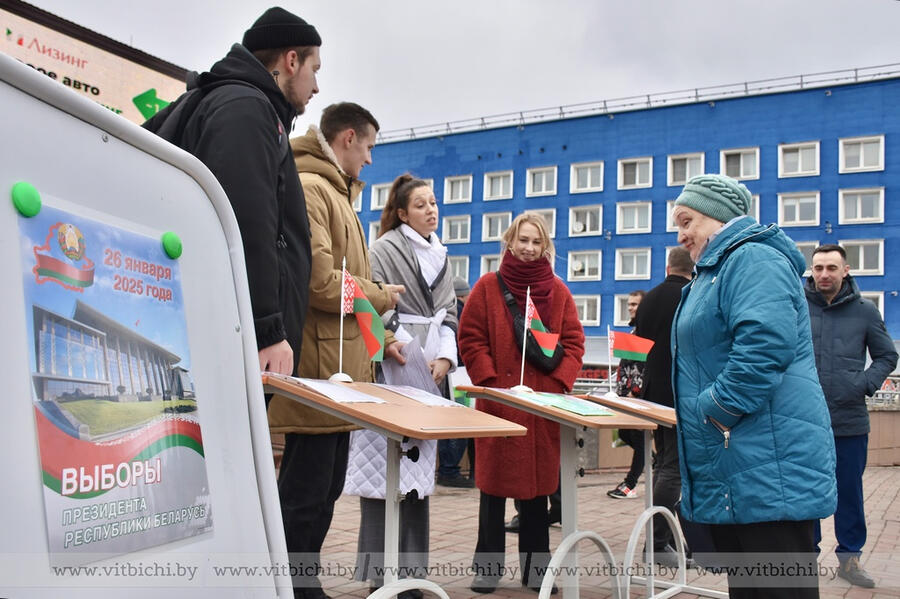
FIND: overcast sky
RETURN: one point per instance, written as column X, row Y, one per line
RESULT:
column 419, row 62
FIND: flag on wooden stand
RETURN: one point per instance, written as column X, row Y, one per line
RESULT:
column 547, row 341
column 354, row 301
column 630, row 347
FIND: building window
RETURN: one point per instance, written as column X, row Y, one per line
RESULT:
column 798, row 209
column 632, row 217
column 586, row 220
column 859, row 154
column 671, row 227
column 549, row 216
column 357, row 202
column 586, row 177
column 798, row 160
column 684, row 166
column 498, row 186
column 585, row 266
column 459, row 266
column 861, row 206
column 636, row 173
column 374, row 230
column 458, row 189
column 540, row 181
column 632, row 263
column 456, row 229
column 588, row 307
column 865, row 257
column 494, row 225
column 876, row 297
column 807, row 248
column 380, row 195
column 754, row 206
column 741, row 164
column 490, row 263
column 621, row 317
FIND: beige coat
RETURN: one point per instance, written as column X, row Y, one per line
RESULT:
column 336, row 233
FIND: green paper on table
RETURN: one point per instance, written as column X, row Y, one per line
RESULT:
column 576, row 405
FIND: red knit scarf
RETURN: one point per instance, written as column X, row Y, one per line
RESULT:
column 519, row 275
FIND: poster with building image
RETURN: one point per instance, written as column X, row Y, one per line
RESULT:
column 115, row 408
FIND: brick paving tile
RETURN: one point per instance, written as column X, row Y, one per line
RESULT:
column 454, row 525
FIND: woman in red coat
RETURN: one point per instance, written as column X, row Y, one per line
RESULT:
column 524, row 468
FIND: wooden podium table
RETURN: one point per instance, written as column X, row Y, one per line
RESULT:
column 661, row 416
column 570, row 423
column 397, row 418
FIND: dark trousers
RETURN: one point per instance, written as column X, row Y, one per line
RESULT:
column 771, row 560
column 310, row 481
column 534, row 538
column 635, row 440
column 450, row 452
column 850, row 517
column 666, row 482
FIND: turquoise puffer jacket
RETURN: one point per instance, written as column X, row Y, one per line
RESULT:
column 754, row 434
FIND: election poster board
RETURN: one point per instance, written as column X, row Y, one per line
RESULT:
column 115, row 409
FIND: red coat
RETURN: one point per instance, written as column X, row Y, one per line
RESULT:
column 519, row 467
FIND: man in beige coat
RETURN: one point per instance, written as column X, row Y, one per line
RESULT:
column 329, row 160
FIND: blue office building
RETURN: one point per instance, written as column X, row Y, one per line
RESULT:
column 820, row 158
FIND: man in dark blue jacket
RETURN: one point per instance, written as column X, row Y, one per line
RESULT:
column 844, row 326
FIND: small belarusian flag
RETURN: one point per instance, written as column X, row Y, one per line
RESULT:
column 547, row 341
column 354, row 301
column 630, row 347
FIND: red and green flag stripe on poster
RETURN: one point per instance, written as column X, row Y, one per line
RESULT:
column 546, row 340
column 354, row 301
column 626, row 346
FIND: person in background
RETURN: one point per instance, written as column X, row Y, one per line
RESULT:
column 629, row 380
column 844, row 326
column 329, row 159
column 407, row 252
column 654, row 321
column 524, row 468
column 450, row 451
column 754, row 438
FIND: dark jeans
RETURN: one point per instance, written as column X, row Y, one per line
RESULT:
column 310, row 481
column 534, row 538
column 635, row 440
column 666, row 482
column 450, row 452
column 773, row 560
column 850, row 517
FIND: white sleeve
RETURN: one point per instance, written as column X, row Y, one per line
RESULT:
column 448, row 345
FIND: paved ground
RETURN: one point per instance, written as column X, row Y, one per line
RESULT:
column 454, row 524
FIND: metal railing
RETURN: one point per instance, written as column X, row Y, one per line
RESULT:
column 685, row 96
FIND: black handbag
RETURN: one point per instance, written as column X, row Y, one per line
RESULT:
column 533, row 352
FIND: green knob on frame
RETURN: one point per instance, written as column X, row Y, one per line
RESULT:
column 172, row 245
column 26, row 198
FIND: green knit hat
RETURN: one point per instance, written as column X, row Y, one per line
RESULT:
column 716, row 196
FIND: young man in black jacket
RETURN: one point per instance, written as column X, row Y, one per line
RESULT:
column 236, row 118
column 654, row 321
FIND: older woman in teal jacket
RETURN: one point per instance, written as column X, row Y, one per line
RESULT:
column 755, row 442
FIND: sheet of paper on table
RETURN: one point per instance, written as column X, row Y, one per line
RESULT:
column 338, row 391
column 429, row 399
column 576, row 405
column 622, row 401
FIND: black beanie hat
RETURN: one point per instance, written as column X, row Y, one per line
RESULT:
column 277, row 28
